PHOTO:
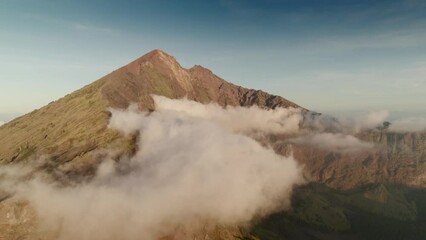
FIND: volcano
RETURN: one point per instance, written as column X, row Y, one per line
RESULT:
column 374, row 193
column 73, row 127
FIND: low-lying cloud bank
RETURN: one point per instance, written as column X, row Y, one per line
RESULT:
column 234, row 119
column 345, row 124
column 193, row 170
column 333, row 142
column 282, row 121
column 353, row 124
column 196, row 166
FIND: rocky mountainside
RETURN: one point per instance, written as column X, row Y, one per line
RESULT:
column 397, row 158
column 72, row 129
column 348, row 188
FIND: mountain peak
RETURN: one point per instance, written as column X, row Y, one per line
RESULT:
column 157, row 53
column 155, row 57
column 80, row 119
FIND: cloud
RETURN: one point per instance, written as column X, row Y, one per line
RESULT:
column 371, row 120
column 239, row 119
column 333, row 142
column 346, row 124
column 193, row 170
column 72, row 24
column 196, row 167
column 236, row 119
column 383, row 40
column 90, row 28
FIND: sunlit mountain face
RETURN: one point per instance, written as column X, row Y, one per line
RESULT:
column 320, row 133
column 204, row 157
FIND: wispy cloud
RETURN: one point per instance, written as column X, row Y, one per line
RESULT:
column 71, row 24
column 382, row 40
column 400, row 79
column 91, row 28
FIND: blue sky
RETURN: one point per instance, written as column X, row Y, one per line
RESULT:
column 326, row 55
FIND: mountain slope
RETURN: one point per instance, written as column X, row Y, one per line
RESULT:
column 72, row 129
column 72, row 132
column 397, row 158
column 372, row 212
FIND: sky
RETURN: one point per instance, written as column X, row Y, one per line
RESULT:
column 325, row 55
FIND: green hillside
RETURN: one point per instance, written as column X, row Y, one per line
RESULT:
column 372, row 212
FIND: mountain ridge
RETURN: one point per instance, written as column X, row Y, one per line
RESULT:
column 73, row 127
column 70, row 134
column 70, row 131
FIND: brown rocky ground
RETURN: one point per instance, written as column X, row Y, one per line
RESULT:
column 396, row 158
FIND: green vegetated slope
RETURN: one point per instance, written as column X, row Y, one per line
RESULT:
column 371, row 212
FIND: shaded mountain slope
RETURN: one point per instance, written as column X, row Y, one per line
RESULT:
column 374, row 211
column 397, row 158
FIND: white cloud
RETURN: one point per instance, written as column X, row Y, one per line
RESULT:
column 347, row 124
column 191, row 172
column 236, row 119
column 195, row 167
column 239, row 119
column 370, row 120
